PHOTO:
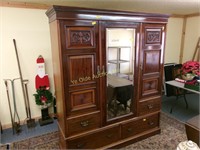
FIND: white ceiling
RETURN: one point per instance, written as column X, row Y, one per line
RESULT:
column 178, row 7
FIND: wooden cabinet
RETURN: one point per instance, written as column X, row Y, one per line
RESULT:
column 92, row 103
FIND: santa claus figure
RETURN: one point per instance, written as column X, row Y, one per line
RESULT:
column 42, row 79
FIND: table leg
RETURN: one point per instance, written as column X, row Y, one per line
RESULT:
column 1, row 128
column 177, row 96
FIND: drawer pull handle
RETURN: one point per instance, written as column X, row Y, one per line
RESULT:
column 98, row 70
column 80, row 145
column 150, row 106
column 103, row 69
column 141, row 67
column 109, row 136
column 129, row 130
column 151, row 123
column 84, row 123
column 144, row 119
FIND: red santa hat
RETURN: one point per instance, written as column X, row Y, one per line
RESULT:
column 40, row 59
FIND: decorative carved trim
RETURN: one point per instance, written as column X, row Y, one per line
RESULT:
column 80, row 37
column 153, row 37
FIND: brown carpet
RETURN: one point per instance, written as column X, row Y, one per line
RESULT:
column 172, row 133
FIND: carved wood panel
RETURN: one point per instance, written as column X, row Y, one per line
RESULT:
column 77, row 37
column 150, row 86
column 81, row 69
column 151, row 61
column 82, row 99
column 153, row 36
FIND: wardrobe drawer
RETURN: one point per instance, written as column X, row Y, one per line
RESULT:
column 83, row 123
column 96, row 140
column 140, row 125
column 149, row 106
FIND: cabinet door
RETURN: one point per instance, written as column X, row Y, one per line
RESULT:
column 151, row 59
column 119, row 59
column 80, row 60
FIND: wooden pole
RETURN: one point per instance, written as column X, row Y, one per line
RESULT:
column 197, row 49
column 21, row 78
column 182, row 40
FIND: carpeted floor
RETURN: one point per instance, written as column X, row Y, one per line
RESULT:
column 47, row 141
column 172, row 133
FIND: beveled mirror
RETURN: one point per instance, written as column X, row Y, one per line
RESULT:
column 120, row 54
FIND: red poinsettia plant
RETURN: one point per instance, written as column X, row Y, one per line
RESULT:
column 192, row 67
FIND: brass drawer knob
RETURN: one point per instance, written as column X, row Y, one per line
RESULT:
column 129, row 130
column 109, row 135
column 84, row 123
column 144, row 119
column 151, row 123
column 80, row 145
column 150, row 106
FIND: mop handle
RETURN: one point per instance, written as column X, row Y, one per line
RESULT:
column 11, row 117
column 14, row 100
column 20, row 73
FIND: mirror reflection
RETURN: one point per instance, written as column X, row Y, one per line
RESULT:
column 120, row 50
